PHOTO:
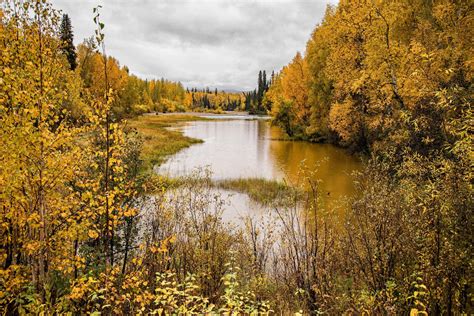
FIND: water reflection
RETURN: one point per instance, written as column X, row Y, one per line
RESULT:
column 251, row 148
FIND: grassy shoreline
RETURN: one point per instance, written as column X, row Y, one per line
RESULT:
column 160, row 142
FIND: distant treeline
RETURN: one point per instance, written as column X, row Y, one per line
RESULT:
column 135, row 95
column 213, row 100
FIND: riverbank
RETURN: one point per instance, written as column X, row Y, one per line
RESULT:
column 200, row 114
column 159, row 141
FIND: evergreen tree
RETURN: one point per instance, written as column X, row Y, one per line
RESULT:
column 67, row 39
column 264, row 82
column 259, row 90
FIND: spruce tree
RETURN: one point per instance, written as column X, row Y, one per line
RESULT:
column 259, row 90
column 264, row 82
column 67, row 39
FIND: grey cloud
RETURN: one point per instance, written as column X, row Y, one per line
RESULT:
column 216, row 43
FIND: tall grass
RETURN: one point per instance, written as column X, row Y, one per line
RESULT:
column 263, row 191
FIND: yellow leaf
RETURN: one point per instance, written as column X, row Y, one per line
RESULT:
column 93, row 234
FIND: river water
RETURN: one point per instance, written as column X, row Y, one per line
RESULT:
column 242, row 147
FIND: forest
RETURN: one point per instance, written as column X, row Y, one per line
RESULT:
column 87, row 227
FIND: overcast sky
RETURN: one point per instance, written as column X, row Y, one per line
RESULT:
column 215, row 43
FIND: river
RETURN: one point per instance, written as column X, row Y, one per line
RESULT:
column 246, row 147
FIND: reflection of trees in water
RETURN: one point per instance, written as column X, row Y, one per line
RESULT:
column 240, row 148
column 333, row 166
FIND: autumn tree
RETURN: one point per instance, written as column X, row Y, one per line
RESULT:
column 41, row 213
column 289, row 97
column 320, row 85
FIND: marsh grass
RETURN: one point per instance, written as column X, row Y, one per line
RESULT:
column 159, row 141
column 263, row 191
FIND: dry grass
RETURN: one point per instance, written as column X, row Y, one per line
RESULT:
column 159, row 141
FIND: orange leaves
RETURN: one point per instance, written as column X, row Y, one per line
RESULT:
column 288, row 94
column 52, row 192
column 130, row 212
column 295, row 86
column 13, row 279
column 33, row 247
column 369, row 61
column 93, row 234
column 82, row 287
column 164, row 245
column 39, row 153
column 343, row 120
column 116, row 76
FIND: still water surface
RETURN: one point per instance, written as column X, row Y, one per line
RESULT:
column 243, row 148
